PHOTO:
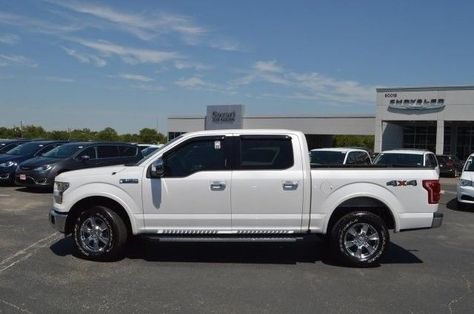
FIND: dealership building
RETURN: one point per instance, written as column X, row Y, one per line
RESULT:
column 440, row 119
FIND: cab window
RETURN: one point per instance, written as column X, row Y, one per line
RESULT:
column 196, row 155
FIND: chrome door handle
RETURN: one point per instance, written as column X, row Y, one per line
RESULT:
column 218, row 186
column 290, row 185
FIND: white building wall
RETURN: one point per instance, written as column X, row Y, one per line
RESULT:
column 321, row 125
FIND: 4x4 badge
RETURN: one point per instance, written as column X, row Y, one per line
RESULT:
column 401, row 183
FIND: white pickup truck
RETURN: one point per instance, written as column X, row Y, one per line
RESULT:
column 243, row 185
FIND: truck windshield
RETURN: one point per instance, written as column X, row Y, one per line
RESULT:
column 63, row 151
column 321, row 157
column 469, row 164
column 394, row 159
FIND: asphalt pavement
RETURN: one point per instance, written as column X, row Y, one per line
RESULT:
column 425, row 271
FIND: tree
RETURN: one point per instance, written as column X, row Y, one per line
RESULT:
column 58, row 135
column 363, row 141
column 148, row 135
column 81, row 135
column 32, row 131
column 107, row 134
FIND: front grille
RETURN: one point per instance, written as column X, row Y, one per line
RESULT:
column 25, row 168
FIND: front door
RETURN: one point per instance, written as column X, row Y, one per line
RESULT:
column 194, row 193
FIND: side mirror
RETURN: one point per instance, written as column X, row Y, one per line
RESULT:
column 157, row 169
column 85, row 157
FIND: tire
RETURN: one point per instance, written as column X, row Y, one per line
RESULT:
column 99, row 234
column 359, row 239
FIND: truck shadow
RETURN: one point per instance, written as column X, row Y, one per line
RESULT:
column 245, row 253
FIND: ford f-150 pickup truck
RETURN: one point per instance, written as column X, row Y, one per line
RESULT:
column 243, row 185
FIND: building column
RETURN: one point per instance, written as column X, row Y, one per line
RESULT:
column 379, row 128
column 439, row 137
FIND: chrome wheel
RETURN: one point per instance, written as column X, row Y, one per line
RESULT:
column 95, row 234
column 361, row 241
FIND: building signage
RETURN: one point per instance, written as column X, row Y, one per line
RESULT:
column 224, row 117
column 416, row 103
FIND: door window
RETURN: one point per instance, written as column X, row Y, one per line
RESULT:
column 90, row 151
column 107, row 151
column 127, row 151
column 195, row 156
column 265, row 153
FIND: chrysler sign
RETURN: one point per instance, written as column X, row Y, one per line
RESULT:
column 416, row 103
column 224, row 117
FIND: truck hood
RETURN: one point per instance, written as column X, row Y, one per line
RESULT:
column 91, row 173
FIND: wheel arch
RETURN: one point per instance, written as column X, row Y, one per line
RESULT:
column 374, row 199
column 97, row 200
column 362, row 203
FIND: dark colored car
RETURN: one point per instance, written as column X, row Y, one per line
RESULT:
column 6, row 145
column 12, row 158
column 41, row 170
column 449, row 165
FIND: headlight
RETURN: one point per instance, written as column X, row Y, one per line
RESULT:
column 43, row 168
column 59, row 188
column 8, row 164
column 463, row 182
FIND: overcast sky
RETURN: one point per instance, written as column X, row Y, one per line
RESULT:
column 131, row 64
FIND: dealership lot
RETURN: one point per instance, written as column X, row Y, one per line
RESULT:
column 424, row 271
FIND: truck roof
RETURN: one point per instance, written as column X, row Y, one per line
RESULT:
column 245, row 132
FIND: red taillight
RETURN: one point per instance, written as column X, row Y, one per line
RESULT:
column 434, row 190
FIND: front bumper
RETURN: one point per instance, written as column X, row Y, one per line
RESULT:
column 7, row 175
column 34, row 179
column 57, row 220
column 466, row 194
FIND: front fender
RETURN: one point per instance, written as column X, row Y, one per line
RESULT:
column 362, row 189
column 108, row 191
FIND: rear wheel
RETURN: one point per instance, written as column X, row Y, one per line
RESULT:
column 99, row 234
column 359, row 239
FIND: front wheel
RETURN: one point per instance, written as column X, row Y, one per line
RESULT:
column 99, row 234
column 359, row 239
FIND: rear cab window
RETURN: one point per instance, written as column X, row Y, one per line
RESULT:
column 265, row 153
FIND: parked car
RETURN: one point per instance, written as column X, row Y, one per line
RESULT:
column 340, row 156
column 10, row 160
column 243, row 185
column 150, row 149
column 407, row 158
column 465, row 187
column 449, row 165
column 6, row 145
column 41, row 170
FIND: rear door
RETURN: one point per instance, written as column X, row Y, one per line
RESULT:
column 267, row 183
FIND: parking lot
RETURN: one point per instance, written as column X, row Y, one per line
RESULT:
column 426, row 271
